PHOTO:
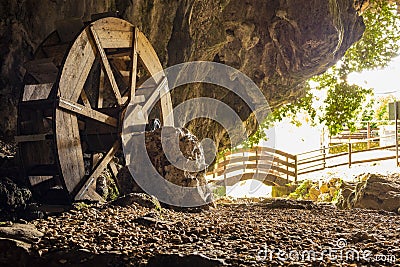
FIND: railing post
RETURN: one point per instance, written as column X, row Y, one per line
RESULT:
column 296, row 168
column 257, row 162
column 224, row 159
column 324, row 157
column 349, row 154
column 287, row 169
column 369, row 135
column 244, row 162
column 396, row 133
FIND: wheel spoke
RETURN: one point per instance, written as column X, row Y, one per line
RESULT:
column 106, row 66
column 134, row 62
column 101, row 89
column 87, row 112
column 85, row 99
column 98, row 169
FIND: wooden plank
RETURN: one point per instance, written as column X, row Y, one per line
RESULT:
column 106, row 66
column 311, row 171
column 302, row 162
column 154, row 96
column 34, row 180
column 87, row 112
column 85, row 99
column 102, row 85
column 114, row 171
column 149, row 56
column 336, row 155
column 260, row 167
column 114, row 33
column 372, row 160
column 374, row 149
column 69, row 149
column 310, row 167
column 32, row 138
column 267, row 179
column 166, row 106
column 77, row 67
column 268, row 167
column 43, row 170
column 133, row 74
column 36, row 91
column 43, row 70
column 99, row 168
column 153, row 66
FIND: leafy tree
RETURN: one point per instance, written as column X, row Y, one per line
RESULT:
column 382, row 112
column 343, row 103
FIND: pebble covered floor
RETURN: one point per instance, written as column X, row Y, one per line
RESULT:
column 245, row 234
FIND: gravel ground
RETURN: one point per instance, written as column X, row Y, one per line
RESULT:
column 241, row 234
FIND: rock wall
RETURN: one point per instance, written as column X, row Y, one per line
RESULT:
column 277, row 43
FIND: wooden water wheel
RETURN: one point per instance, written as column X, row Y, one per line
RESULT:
column 74, row 100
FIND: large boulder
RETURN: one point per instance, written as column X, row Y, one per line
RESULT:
column 374, row 191
column 171, row 162
column 13, row 197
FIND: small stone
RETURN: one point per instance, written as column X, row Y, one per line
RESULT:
column 314, row 193
column 141, row 199
column 324, row 188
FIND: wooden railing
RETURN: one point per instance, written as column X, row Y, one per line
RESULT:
column 275, row 167
column 319, row 159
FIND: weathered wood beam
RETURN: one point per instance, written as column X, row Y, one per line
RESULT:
column 87, row 112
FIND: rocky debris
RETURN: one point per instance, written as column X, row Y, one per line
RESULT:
column 282, row 190
column 233, row 233
column 179, row 260
column 320, row 191
column 374, row 191
column 141, row 199
column 126, row 183
column 13, row 199
column 15, row 253
column 101, row 186
column 177, row 156
column 8, row 164
column 22, row 232
column 149, row 219
column 288, row 204
column 7, row 149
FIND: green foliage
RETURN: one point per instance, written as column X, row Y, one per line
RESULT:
column 301, row 191
column 382, row 112
column 380, row 41
column 343, row 103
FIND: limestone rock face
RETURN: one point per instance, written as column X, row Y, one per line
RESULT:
column 373, row 192
column 278, row 44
